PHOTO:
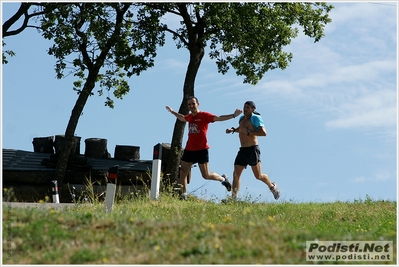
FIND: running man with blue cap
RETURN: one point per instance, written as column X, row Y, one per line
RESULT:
column 250, row 127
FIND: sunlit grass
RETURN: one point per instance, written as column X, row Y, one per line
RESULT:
column 171, row 231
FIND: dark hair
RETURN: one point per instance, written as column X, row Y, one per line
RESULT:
column 252, row 105
column 191, row 97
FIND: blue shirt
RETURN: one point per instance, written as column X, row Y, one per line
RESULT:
column 256, row 121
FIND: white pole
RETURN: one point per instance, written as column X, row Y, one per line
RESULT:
column 109, row 197
column 111, row 188
column 54, row 190
column 156, row 172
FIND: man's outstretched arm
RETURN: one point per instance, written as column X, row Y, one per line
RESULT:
column 179, row 116
column 228, row 117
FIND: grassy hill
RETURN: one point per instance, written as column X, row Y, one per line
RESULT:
column 170, row 231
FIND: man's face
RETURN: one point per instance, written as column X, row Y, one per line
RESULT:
column 248, row 110
column 193, row 105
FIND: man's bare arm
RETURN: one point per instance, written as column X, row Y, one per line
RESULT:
column 260, row 132
column 179, row 116
column 236, row 113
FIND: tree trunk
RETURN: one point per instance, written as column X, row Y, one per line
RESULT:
column 196, row 49
column 93, row 68
column 77, row 110
column 173, row 165
column 59, row 140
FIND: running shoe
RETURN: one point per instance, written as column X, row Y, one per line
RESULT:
column 184, row 197
column 226, row 182
column 275, row 191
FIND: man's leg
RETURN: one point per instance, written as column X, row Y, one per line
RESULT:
column 214, row 176
column 257, row 170
column 209, row 175
column 236, row 179
column 184, row 170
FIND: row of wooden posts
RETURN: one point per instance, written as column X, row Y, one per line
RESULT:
column 112, row 176
column 94, row 147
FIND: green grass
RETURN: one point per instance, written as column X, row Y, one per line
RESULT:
column 170, row 231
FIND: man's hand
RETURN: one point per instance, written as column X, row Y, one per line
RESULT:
column 237, row 112
column 231, row 130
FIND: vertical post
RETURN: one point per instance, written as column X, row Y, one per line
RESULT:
column 156, row 171
column 111, row 188
column 54, row 191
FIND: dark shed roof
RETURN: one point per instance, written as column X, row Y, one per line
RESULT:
column 20, row 160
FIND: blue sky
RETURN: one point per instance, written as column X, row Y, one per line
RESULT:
column 331, row 116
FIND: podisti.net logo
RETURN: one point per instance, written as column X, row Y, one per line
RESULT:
column 349, row 251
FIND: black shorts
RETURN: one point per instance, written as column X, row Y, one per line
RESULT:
column 248, row 156
column 200, row 156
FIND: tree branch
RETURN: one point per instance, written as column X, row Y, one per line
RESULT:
column 186, row 17
column 83, row 45
column 116, row 33
column 22, row 11
column 178, row 35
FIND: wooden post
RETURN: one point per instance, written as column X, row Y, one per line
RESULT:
column 165, row 153
column 127, row 152
column 59, row 140
column 96, row 148
column 43, row 144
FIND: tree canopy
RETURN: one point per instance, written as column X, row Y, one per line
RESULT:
column 102, row 36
